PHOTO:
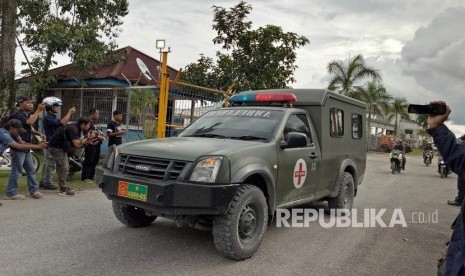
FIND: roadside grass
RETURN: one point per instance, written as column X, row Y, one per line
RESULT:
column 75, row 183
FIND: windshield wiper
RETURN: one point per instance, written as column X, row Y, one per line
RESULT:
column 208, row 135
column 249, row 137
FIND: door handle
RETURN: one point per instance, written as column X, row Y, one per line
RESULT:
column 313, row 155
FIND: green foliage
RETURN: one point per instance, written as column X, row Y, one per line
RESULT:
column 398, row 107
column 376, row 98
column 422, row 120
column 79, row 28
column 255, row 59
column 347, row 76
column 143, row 102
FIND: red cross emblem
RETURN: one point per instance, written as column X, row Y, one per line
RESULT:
column 300, row 173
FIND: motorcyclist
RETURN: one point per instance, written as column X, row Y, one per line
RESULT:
column 400, row 146
column 428, row 147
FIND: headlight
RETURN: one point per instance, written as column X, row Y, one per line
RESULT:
column 206, row 169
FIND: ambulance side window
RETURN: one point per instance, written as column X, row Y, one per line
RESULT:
column 298, row 123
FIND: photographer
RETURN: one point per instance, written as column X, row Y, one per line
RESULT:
column 64, row 142
column 92, row 151
column 453, row 153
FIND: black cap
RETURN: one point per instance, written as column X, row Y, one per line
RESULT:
column 117, row 112
column 15, row 123
column 21, row 99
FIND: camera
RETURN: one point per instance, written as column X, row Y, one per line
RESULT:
column 431, row 109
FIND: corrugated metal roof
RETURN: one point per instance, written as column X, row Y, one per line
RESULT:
column 126, row 68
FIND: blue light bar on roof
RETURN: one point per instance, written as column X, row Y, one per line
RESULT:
column 263, row 97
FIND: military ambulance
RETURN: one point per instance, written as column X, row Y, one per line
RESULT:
column 233, row 167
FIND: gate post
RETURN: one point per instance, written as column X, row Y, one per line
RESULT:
column 163, row 100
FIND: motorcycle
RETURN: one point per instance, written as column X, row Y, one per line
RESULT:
column 443, row 169
column 75, row 163
column 427, row 157
column 397, row 159
column 5, row 161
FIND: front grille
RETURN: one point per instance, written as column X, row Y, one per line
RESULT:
column 150, row 167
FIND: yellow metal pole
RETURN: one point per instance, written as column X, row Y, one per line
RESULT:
column 163, row 101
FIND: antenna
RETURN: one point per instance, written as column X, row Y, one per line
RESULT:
column 144, row 69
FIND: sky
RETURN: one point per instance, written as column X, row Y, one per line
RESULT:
column 417, row 45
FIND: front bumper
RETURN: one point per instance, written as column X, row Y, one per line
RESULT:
column 170, row 197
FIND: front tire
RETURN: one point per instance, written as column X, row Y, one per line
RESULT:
column 131, row 216
column 345, row 197
column 239, row 233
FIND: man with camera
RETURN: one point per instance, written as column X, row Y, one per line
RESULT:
column 65, row 141
column 92, row 151
column 10, row 136
column 23, row 158
column 453, row 153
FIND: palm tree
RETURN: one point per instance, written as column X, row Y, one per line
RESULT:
column 377, row 100
column 346, row 76
column 422, row 120
column 399, row 107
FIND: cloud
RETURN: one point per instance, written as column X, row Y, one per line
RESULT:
column 434, row 58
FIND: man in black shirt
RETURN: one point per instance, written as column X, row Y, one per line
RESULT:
column 23, row 158
column 92, row 151
column 71, row 136
column 115, row 131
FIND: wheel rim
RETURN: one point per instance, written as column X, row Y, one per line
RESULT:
column 248, row 223
column 346, row 197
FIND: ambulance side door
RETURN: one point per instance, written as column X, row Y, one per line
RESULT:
column 299, row 167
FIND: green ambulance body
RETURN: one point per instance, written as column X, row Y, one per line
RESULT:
column 233, row 167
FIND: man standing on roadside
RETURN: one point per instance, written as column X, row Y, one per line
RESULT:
column 453, row 153
column 51, row 125
column 10, row 136
column 64, row 141
column 457, row 201
column 23, row 158
column 92, row 151
column 115, row 131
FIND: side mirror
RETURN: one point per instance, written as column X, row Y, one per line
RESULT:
column 294, row 140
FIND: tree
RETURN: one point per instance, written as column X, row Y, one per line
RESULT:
column 78, row 28
column 255, row 59
column 422, row 120
column 398, row 107
column 377, row 100
column 8, row 10
column 346, row 76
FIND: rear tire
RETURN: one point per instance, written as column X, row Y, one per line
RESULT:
column 345, row 197
column 239, row 233
column 35, row 161
column 393, row 167
column 442, row 172
column 131, row 216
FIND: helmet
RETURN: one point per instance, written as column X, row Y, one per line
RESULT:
column 52, row 101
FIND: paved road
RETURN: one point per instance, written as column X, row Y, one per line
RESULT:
column 80, row 236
